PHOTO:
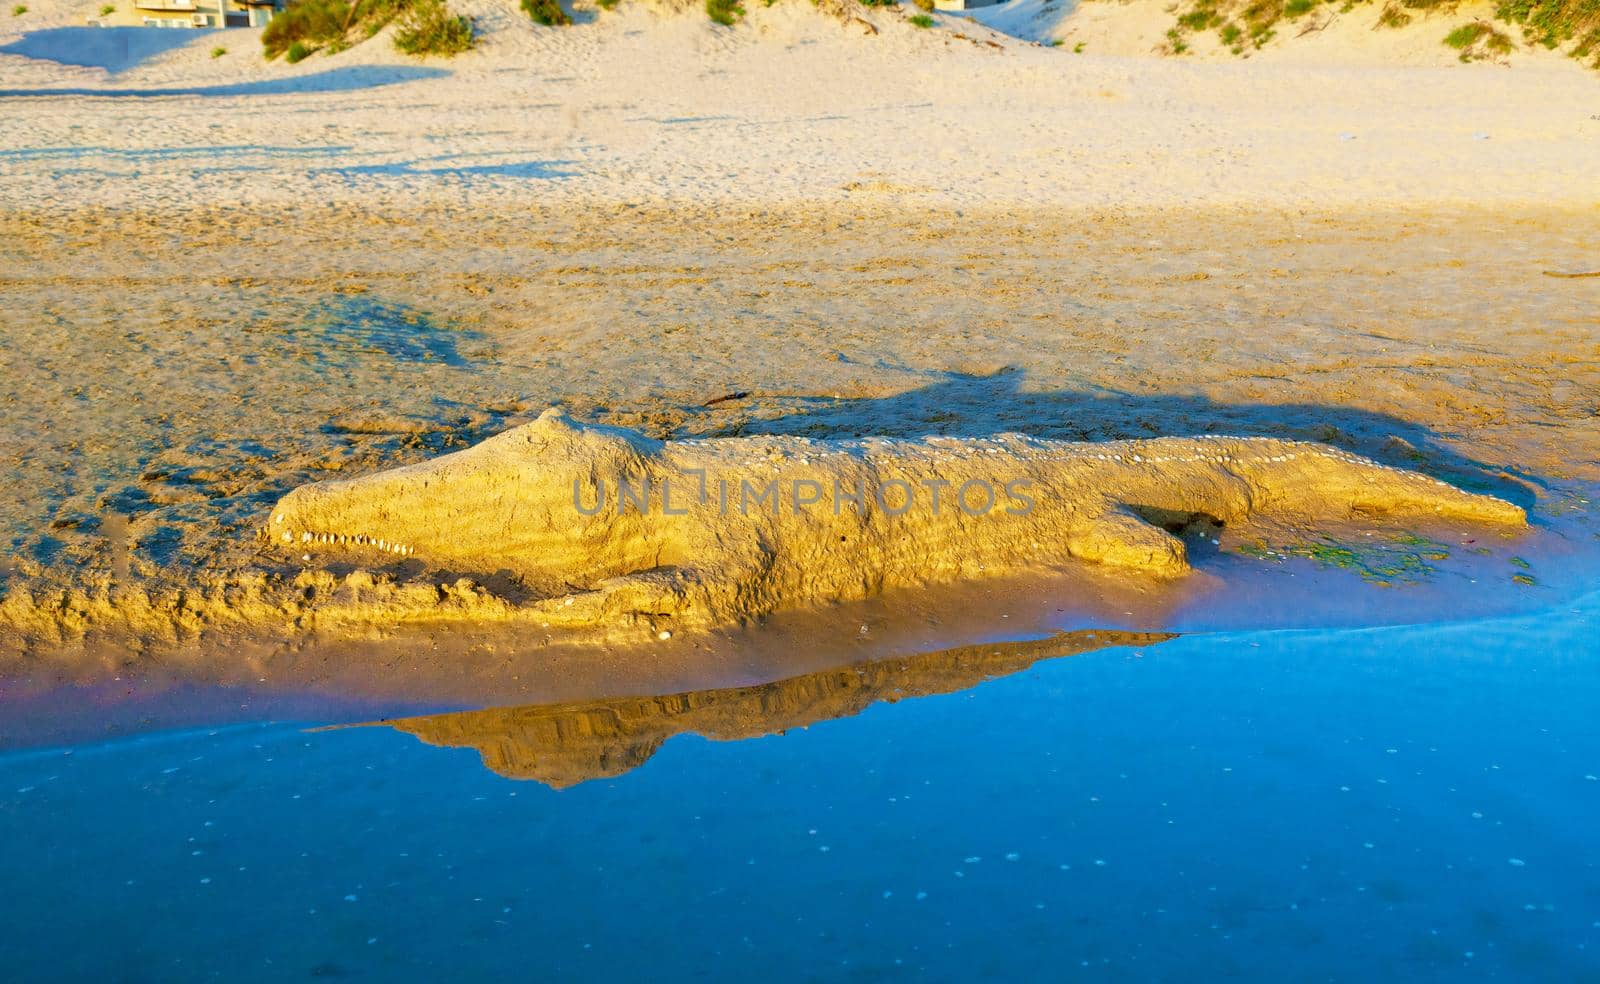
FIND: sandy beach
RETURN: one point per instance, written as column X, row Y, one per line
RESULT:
column 1288, row 310
column 898, row 233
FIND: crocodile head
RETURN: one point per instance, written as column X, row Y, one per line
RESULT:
column 510, row 503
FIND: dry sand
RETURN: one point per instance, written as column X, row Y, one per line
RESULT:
column 223, row 278
column 792, row 107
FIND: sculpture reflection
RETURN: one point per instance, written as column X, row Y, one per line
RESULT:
column 564, row 744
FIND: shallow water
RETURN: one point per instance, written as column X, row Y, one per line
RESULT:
column 1410, row 802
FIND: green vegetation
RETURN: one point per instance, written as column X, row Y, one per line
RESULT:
column 608, row 4
column 725, row 12
column 1393, row 16
column 1224, row 16
column 921, row 20
column 1077, row 49
column 1553, row 23
column 1397, row 559
column 306, row 26
column 1478, row 40
column 547, row 12
column 305, row 21
column 429, row 28
column 926, row 6
column 1465, row 35
column 19, row 10
column 108, row 10
column 218, row 51
column 1239, row 24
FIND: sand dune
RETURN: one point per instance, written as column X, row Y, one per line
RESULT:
column 644, row 104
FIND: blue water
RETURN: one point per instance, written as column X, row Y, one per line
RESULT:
column 1414, row 803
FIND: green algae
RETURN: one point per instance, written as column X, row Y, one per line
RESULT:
column 1405, row 558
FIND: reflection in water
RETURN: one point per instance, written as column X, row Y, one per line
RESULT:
column 562, row 745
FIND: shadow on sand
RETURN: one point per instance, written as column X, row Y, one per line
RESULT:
column 333, row 80
column 115, row 49
column 976, row 405
column 533, row 170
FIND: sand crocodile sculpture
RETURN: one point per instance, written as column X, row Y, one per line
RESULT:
column 604, row 526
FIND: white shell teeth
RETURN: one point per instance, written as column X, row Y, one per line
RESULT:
column 342, row 539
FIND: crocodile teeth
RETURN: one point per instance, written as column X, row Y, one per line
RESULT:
column 352, row 539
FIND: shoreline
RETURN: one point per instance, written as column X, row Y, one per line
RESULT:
column 105, row 694
column 1424, row 338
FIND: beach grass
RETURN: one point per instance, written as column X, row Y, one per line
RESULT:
column 548, row 13
column 1240, row 24
column 725, row 12
column 1553, row 23
column 306, row 26
column 429, row 28
column 1478, row 40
